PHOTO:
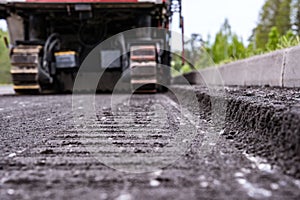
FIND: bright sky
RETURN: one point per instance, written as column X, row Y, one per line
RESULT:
column 3, row 24
column 207, row 16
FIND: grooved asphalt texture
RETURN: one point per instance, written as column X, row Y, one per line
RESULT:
column 44, row 155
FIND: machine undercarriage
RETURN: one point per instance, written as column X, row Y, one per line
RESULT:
column 51, row 40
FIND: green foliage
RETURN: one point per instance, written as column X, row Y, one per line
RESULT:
column 280, row 42
column 288, row 40
column 267, row 19
column 176, row 62
column 178, row 67
column 220, row 48
column 275, row 13
column 283, row 19
column 185, row 69
column 5, row 77
column 227, row 47
column 273, row 39
column 237, row 49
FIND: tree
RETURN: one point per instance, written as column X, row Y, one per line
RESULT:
column 283, row 18
column 274, row 13
column 237, row 49
column 296, row 16
column 266, row 21
column 220, row 46
column 273, row 39
column 227, row 45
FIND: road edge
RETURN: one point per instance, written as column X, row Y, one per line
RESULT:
column 280, row 68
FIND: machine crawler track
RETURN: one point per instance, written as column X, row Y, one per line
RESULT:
column 143, row 68
column 25, row 68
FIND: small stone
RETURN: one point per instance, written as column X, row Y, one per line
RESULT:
column 10, row 191
column 21, row 151
column 41, row 162
column 245, row 170
column 238, row 175
column 204, row 184
column 274, row 186
column 222, row 132
column 154, row 183
column 185, row 141
column 202, row 177
column 12, row 155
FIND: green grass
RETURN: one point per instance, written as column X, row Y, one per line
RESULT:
column 5, row 77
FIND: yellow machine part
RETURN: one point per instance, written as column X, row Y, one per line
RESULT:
column 61, row 53
column 24, row 71
column 143, row 68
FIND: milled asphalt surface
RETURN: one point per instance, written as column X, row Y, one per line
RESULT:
column 46, row 155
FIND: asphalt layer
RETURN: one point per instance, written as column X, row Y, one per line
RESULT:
column 144, row 149
column 263, row 121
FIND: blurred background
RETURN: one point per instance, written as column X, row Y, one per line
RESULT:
column 218, row 32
